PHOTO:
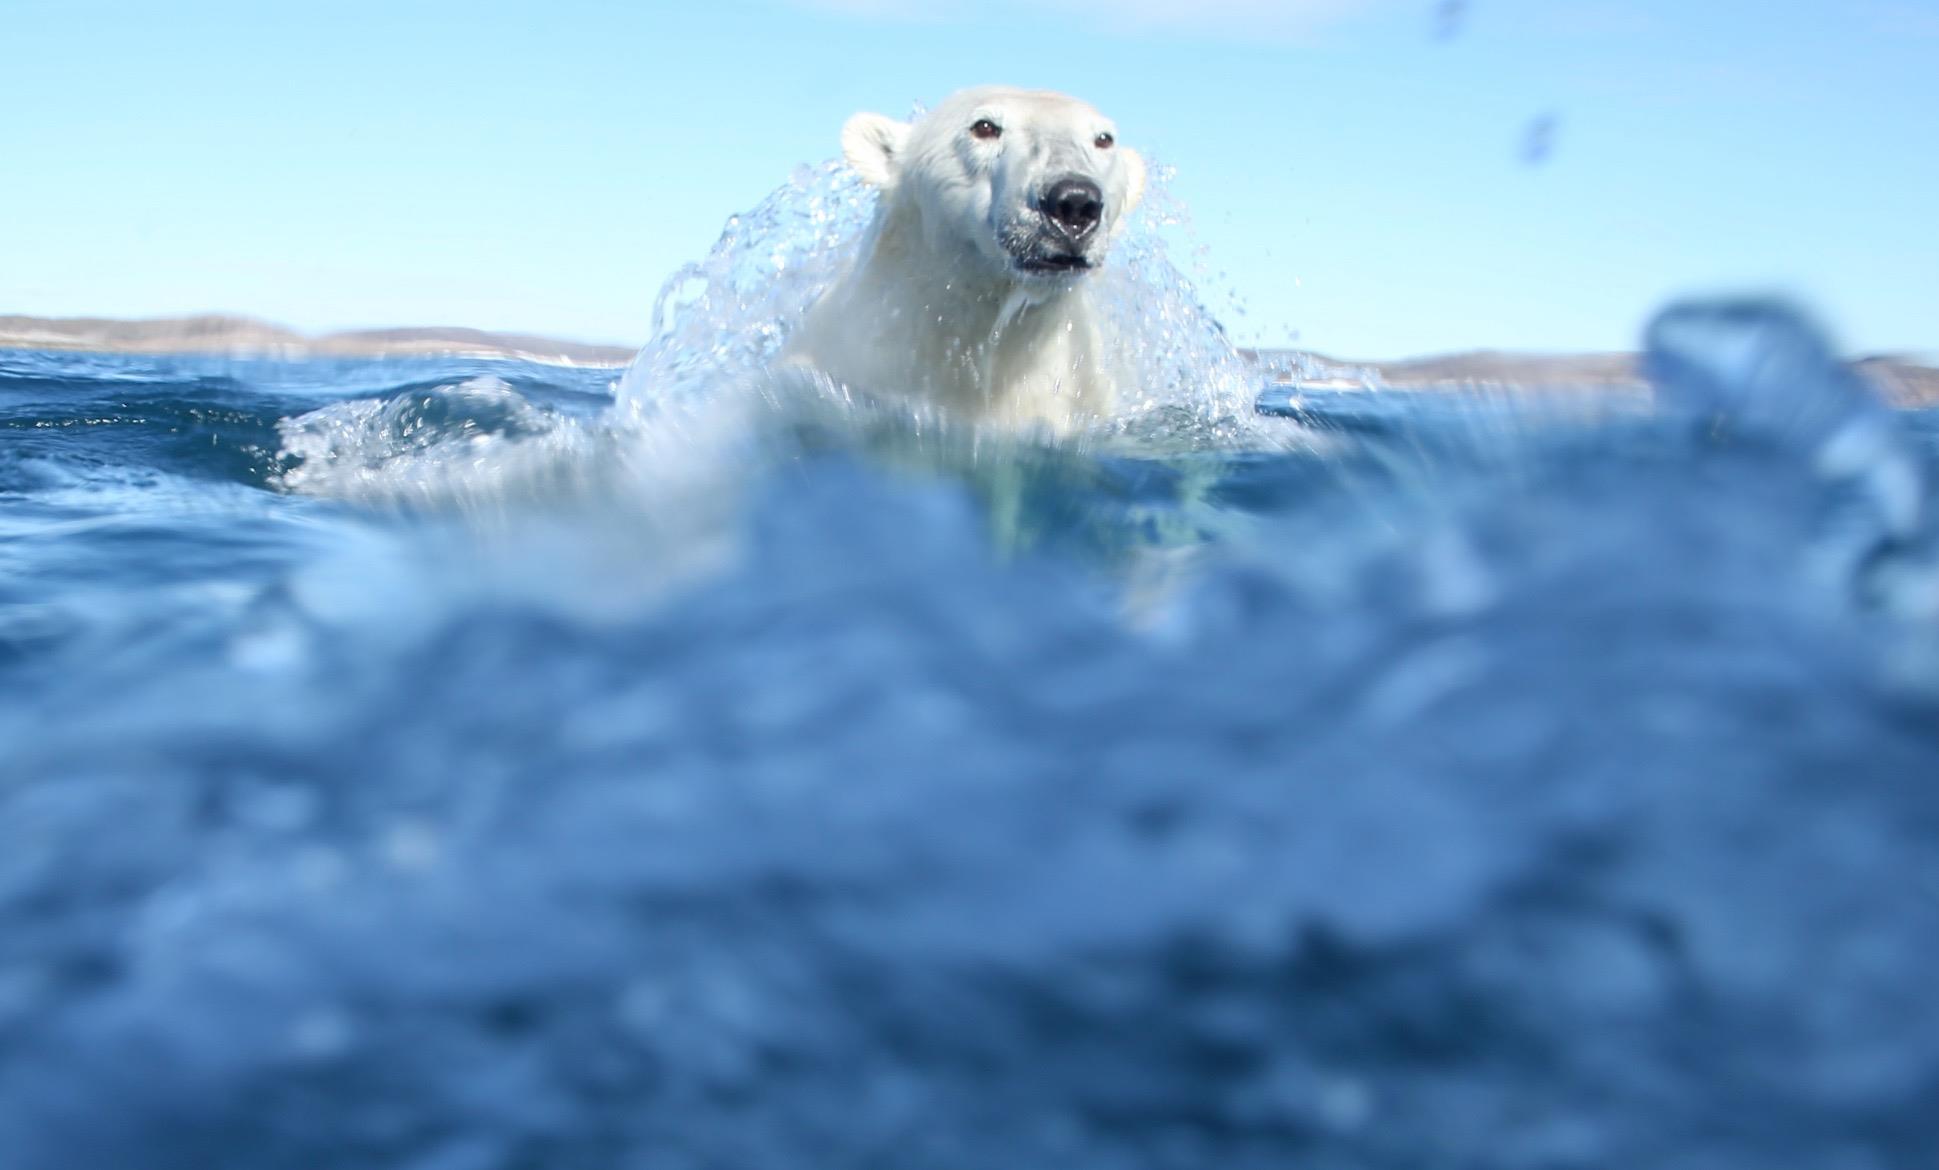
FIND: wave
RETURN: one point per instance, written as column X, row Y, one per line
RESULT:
column 1542, row 813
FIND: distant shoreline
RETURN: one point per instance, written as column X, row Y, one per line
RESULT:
column 246, row 336
column 1900, row 381
column 1905, row 382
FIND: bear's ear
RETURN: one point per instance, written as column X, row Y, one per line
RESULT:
column 1134, row 173
column 872, row 144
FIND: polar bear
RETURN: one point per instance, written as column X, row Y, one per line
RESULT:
column 971, row 292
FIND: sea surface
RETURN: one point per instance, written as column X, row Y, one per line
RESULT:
column 446, row 765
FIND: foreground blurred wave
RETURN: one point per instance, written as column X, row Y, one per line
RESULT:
column 1489, row 789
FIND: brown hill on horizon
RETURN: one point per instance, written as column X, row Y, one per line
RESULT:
column 229, row 333
column 1902, row 381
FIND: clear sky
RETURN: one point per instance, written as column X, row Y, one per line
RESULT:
column 1361, row 181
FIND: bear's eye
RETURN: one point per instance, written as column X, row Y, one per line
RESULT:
column 985, row 129
column 1104, row 142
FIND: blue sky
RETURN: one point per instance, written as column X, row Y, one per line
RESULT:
column 1358, row 184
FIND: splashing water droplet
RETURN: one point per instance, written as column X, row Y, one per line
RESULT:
column 1763, row 369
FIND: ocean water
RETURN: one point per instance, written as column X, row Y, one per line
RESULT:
column 451, row 765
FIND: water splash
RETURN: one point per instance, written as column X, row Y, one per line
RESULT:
column 1763, row 368
column 721, row 321
column 1190, row 375
column 652, row 501
column 696, row 394
column 355, row 449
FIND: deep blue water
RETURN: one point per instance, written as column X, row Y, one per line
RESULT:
column 470, row 785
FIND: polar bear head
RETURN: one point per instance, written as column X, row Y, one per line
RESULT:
column 1030, row 184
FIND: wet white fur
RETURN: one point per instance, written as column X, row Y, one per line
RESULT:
column 935, row 308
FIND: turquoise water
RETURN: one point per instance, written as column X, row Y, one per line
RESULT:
column 447, row 765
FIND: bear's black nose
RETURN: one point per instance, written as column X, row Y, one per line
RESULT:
column 1074, row 206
